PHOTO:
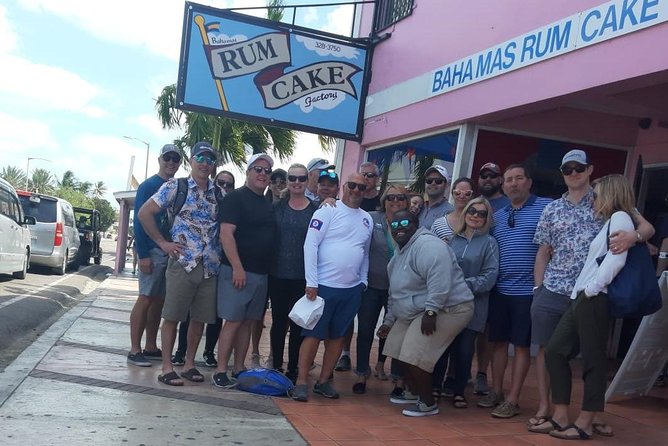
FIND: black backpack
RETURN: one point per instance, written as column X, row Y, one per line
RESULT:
column 180, row 200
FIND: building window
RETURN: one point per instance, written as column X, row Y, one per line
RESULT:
column 391, row 11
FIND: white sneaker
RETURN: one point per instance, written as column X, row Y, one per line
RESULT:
column 420, row 410
column 255, row 361
column 269, row 363
column 405, row 398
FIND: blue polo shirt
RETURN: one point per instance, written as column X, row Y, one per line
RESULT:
column 146, row 189
column 517, row 250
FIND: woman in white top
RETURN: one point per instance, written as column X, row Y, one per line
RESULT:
column 584, row 326
column 462, row 192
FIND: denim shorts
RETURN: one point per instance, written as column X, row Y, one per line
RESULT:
column 341, row 306
column 509, row 319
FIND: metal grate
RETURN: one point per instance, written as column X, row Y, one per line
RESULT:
column 391, row 11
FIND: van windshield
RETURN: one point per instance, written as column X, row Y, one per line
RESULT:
column 44, row 211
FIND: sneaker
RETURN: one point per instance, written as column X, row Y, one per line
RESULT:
column 420, row 409
column 343, row 364
column 325, row 389
column 405, row 398
column 506, row 410
column 490, row 400
column 221, row 380
column 255, row 361
column 138, row 359
column 299, row 392
column 396, row 392
column 179, row 358
column 210, row 359
column 269, row 363
column 153, row 355
column 481, row 387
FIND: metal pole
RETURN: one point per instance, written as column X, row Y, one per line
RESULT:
column 27, row 172
column 146, row 169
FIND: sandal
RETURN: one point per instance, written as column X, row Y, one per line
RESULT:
column 538, row 419
column 562, row 434
column 460, row 402
column 380, row 372
column 547, row 426
column 171, row 379
column 193, row 375
column 602, row 429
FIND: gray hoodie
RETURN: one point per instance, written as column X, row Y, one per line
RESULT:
column 424, row 275
column 479, row 260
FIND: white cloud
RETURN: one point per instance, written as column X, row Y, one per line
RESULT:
column 21, row 138
column 340, row 20
column 325, row 48
column 310, row 15
column 323, row 100
column 8, row 38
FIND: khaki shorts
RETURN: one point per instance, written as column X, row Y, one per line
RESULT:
column 406, row 342
column 189, row 292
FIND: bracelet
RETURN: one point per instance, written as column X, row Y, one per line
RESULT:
column 663, row 255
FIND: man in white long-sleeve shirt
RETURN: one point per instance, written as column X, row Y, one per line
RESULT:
column 336, row 261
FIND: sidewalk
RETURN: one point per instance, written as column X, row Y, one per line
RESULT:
column 73, row 386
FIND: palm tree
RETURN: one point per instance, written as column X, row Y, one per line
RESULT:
column 68, row 181
column 42, row 181
column 14, row 176
column 99, row 189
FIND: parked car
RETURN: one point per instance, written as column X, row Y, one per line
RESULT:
column 88, row 224
column 55, row 238
column 14, row 233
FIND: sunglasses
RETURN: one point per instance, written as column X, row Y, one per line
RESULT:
column 511, row 217
column 201, row 159
column 225, row 184
column 352, row 186
column 173, row 158
column 462, row 193
column 566, row 170
column 369, row 175
column 260, row 169
column 295, row 178
column 482, row 213
column 402, row 223
column 278, row 181
column 325, row 173
column 434, row 180
column 395, row 197
column 487, row 176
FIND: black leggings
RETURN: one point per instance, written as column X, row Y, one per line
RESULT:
column 283, row 294
column 212, row 332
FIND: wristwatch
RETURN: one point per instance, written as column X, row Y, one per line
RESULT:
column 430, row 313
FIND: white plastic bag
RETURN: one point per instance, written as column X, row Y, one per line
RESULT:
column 306, row 313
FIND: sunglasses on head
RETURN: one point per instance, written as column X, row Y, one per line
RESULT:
column 201, row 159
column 487, row 176
column 352, row 186
column 395, row 197
column 567, row 170
column 224, row 184
column 462, row 193
column 326, row 173
column 402, row 223
column 435, row 180
column 482, row 213
column 295, row 178
column 260, row 169
column 369, row 175
column 173, row 157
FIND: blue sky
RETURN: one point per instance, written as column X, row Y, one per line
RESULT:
column 78, row 75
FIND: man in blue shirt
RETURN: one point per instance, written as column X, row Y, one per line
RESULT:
column 152, row 263
column 436, row 185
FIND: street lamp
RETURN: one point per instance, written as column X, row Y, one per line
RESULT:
column 147, row 150
column 28, row 168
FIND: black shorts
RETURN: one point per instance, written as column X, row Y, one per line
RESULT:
column 509, row 319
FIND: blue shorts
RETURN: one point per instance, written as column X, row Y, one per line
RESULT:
column 341, row 306
column 509, row 319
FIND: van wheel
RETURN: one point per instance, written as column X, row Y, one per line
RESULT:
column 24, row 272
column 60, row 270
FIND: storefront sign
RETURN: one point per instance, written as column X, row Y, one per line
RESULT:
column 259, row 70
column 595, row 25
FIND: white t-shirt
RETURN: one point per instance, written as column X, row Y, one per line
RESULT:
column 336, row 249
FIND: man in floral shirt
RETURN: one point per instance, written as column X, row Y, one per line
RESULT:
column 194, row 251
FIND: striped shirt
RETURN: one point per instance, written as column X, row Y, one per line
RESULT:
column 517, row 251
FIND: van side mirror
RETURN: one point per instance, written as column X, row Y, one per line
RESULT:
column 28, row 220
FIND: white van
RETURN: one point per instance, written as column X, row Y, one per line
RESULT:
column 14, row 233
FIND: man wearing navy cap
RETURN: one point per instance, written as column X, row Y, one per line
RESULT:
column 315, row 167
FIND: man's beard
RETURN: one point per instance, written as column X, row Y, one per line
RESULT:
column 490, row 192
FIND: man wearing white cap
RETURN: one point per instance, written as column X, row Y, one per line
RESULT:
column 436, row 183
column 247, row 232
column 314, row 167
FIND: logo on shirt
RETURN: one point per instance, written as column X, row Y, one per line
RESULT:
column 366, row 222
column 315, row 224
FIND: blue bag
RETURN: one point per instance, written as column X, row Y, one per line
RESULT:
column 634, row 292
column 264, row 382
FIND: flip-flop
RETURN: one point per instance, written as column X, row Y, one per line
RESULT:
column 602, row 429
column 561, row 434
column 171, row 379
column 193, row 375
column 545, row 427
column 538, row 419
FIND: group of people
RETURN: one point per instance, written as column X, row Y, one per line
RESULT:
column 454, row 281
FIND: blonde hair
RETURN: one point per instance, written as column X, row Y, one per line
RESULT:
column 614, row 194
column 401, row 191
column 489, row 221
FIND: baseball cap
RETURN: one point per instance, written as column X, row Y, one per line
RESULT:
column 319, row 164
column 203, row 147
column 167, row 148
column 260, row 156
column 278, row 173
column 575, row 155
column 331, row 176
column 441, row 170
column 491, row 166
